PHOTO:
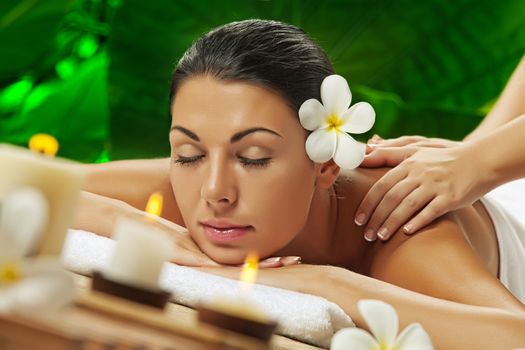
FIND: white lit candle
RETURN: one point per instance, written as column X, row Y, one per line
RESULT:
column 241, row 305
column 141, row 250
column 58, row 180
column 239, row 314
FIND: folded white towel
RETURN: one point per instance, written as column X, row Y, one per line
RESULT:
column 304, row 317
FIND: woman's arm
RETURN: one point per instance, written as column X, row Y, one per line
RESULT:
column 430, row 177
column 98, row 214
column 430, row 181
column 451, row 325
column 132, row 182
column 458, row 302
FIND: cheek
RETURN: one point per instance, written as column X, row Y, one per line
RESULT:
column 186, row 190
column 280, row 204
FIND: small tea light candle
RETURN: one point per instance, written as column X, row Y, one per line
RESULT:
column 140, row 251
column 59, row 181
column 240, row 314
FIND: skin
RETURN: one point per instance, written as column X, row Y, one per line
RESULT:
column 232, row 180
column 294, row 208
column 433, row 176
column 304, row 209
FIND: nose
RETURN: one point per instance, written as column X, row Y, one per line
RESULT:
column 218, row 188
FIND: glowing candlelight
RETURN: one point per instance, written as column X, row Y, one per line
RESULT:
column 239, row 313
column 249, row 271
column 155, row 202
column 44, row 144
column 141, row 250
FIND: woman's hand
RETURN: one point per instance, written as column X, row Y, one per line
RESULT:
column 430, row 178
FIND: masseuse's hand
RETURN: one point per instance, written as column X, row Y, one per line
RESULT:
column 430, row 177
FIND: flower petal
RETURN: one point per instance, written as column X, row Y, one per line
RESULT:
column 349, row 153
column 414, row 337
column 381, row 318
column 312, row 114
column 320, row 145
column 6, row 300
column 354, row 339
column 45, row 288
column 359, row 118
column 335, row 94
column 23, row 219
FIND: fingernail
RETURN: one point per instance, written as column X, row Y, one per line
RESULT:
column 274, row 260
column 360, row 219
column 370, row 235
column 408, row 228
column 297, row 259
column 372, row 145
column 382, row 233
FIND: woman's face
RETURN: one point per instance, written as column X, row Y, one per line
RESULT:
column 239, row 170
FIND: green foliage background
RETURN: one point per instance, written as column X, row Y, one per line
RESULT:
column 95, row 73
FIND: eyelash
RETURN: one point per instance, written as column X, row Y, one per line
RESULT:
column 247, row 162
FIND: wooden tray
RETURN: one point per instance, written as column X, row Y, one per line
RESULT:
column 100, row 321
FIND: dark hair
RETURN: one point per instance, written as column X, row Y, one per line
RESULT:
column 276, row 55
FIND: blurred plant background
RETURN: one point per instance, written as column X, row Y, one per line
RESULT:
column 95, row 73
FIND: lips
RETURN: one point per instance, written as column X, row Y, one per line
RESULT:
column 219, row 230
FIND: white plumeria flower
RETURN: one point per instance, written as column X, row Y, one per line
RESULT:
column 331, row 122
column 36, row 286
column 382, row 320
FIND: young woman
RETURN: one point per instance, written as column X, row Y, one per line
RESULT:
column 241, row 181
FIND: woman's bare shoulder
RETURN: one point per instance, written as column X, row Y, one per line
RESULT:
column 438, row 261
column 350, row 249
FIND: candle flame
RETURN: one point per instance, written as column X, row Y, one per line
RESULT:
column 44, row 144
column 154, row 205
column 249, row 270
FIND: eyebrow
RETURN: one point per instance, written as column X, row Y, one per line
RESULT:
column 235, row 138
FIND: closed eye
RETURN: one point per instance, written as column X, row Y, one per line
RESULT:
column 187, row 161
column 249, row 162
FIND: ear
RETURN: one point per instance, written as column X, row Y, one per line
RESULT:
column 327, row 173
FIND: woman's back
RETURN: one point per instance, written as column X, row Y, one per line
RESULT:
column 449, row 259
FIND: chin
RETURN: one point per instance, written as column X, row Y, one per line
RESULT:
column 224, row 255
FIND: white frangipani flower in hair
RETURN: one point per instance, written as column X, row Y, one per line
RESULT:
column 332, row 120
column 382, row 320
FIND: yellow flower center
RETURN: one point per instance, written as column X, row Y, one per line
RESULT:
column 9, row 273
column 334, row 122
column 385, row 346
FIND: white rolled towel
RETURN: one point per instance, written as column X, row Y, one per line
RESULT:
column 307, row 318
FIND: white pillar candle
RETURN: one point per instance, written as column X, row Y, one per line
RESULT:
column 140, row 251
column 58, row 180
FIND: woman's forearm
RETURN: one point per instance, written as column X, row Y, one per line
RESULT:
column 509, row 105
column 450, row 325
column 98, row 214
column 499, row 155
column 132, row 182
